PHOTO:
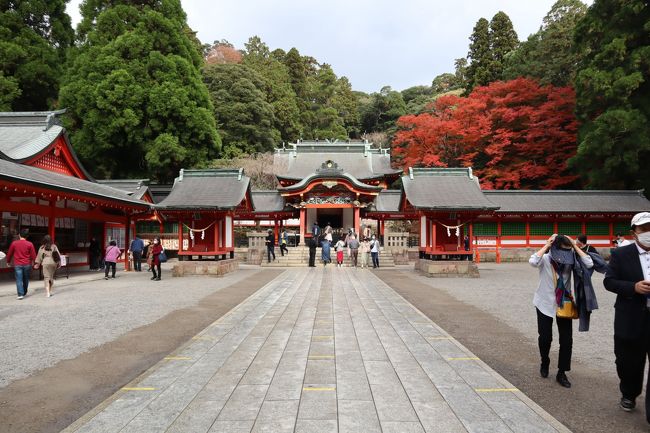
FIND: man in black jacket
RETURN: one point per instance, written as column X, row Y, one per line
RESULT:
column 629, row 277
column 312, row 251
column 270, row 246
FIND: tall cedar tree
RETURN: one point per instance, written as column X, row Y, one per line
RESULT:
column 550, row 55
column 503, row 39
column 34, row 36
column 478, row 72
column 244, row 117
column 515, row 134
column 612, row 88
column 137, row 105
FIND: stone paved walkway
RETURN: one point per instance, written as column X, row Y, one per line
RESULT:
column 320, row 350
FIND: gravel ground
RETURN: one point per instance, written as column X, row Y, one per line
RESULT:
column 506, row 290
column 86, row 312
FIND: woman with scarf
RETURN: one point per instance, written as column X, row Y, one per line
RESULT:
column 556, row 262
column 154, row 258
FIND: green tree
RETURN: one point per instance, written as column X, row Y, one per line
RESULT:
column 382, row 110
column 503, row 40
column 444, row 83
column 244, row 117
column 550, row 55
column 479, row 69
column 460, row 70
column 345, row 103
column 612, row 87
column 279, row 92
column 34, row 36
column 137, row 105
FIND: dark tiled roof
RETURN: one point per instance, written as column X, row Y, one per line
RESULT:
column 358, row 159
column 136, row 188
column 267, row 201
column 207, row 189
column 26, row 134
column 388, row 201
column 39, row 177
column 445, row 189
column 160, row 191
column 569, row 201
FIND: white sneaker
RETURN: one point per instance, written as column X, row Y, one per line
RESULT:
column 20, row 298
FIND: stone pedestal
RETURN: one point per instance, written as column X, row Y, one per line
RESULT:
column 215, row 269
column 447, row 268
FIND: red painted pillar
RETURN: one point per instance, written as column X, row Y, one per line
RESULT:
column 180, row 235
column 357, row 220
column 127, row 242
column 303, row 221
column 527, row 233
column 276, row 230
column 434, row 229
column 471, row 237
column 216, row 234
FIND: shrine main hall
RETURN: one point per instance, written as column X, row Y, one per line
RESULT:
column 45, row 188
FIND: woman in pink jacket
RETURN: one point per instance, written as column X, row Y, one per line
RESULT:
column 113, row 254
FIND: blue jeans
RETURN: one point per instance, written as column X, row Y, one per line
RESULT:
column 22, row 278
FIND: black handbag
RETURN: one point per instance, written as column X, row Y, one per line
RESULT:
column 56, row 256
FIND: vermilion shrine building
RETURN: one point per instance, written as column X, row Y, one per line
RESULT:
column 44, row 187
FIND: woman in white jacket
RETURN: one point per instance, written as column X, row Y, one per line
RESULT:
column 555, row 262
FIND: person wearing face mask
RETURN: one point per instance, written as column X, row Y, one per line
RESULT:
column 629, row 277
column 154, row 252
column 583, row 244
column 556, row 262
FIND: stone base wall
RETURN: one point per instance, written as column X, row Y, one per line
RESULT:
column 447, row 268
column 523, row 254
column 215, row 269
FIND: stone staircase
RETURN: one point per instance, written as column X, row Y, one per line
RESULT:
column 299, row 257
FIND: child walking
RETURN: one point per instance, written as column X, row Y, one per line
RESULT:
column 339, row 247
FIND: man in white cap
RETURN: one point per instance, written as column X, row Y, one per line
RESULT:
column 629, row 277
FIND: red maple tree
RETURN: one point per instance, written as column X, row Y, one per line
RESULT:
column 515, row 134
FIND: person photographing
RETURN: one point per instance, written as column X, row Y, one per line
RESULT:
column 556, row 260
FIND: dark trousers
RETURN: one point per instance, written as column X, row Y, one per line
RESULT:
column 283, row 249
column 545, row 331
column 153, row 269
column 270, row 250
column 354, row 252
column 109, row 266
column 630, row 365
column 312, row 257
column 375, row 259
column 94, row 262
column 137, row 260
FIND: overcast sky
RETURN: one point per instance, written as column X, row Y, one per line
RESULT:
column 375, row 43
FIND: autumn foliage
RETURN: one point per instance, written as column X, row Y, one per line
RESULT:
column 221, row 53
column 515, row 134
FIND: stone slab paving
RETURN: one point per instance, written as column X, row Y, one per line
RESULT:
column 320, row 350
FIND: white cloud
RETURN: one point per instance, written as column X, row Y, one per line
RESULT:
column 372, row 42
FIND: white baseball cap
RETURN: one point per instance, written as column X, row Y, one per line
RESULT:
column 640, row 219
